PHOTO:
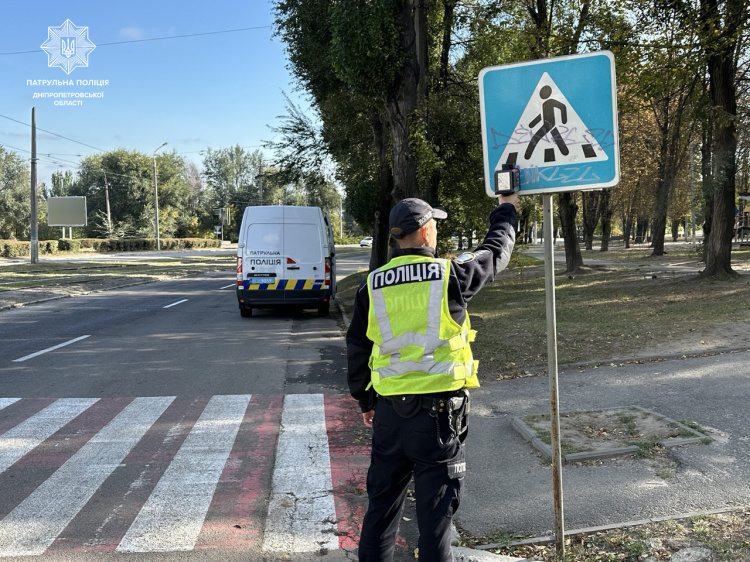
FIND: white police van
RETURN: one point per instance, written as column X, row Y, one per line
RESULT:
column 285, row 257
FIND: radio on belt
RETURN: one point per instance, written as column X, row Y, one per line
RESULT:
column 507, row 180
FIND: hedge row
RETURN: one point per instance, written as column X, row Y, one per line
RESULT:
column 19, row 248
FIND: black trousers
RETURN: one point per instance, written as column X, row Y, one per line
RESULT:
column 427, row 447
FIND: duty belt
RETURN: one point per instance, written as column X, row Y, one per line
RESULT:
column 408, row 403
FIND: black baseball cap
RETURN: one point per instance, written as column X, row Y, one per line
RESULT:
column 409, row 215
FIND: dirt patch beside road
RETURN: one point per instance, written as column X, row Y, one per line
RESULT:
column 605, row 430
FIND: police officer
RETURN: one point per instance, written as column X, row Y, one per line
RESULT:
column 410, row 364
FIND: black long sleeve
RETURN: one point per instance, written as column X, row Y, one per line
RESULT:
column 469, row 273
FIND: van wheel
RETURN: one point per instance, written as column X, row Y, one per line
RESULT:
column 246, row 312
column 324, row 309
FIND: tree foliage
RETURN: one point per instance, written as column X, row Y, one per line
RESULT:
column 15, row 196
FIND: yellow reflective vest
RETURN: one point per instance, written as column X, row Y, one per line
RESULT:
column 418, row 348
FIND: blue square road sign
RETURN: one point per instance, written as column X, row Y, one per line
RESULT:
column 556, row 119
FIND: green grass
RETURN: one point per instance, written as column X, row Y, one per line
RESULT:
column 601, row 315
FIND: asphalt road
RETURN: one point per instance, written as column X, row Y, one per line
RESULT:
column 154, row 423
column 120, row 412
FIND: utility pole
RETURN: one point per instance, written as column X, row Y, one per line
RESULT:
column 156, row 201
column 34, row 226
column 109, row 214
column 260, row 181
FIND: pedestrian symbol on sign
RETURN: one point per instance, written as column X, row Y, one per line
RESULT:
column 550, row 132
column 548, row 125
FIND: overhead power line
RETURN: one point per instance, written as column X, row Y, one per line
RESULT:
column 51, row 133
column 156, row 38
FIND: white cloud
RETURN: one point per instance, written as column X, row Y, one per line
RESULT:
column 132, row 33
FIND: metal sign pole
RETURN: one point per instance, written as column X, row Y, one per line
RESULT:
column 549, row 291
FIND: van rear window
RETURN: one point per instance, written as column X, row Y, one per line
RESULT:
column 265, row 239
column 303, row 243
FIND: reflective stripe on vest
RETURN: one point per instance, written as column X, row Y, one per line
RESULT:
column 455, row 360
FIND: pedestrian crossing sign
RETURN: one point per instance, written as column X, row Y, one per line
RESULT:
column 555, row 119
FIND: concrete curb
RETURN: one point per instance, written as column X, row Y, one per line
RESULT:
column 462, row 554
column 610, row 527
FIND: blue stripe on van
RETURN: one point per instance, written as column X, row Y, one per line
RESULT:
column 285, row 284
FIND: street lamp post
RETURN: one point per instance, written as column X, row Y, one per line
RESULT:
column 156, row 200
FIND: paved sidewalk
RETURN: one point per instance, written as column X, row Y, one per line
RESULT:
column 509, row 488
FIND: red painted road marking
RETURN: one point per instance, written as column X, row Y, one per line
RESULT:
column 349, row 446
column 35, row 467
column 12, row 415
column 101, row 524
column 236, row 514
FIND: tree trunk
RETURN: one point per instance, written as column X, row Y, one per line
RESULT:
column 567, row 210
column 605, row 214
column 590, row 216
column 676, row 229
column 380, row 235
column 627, row 230
column 449, row 6
column 719, row 242
column 722, row 70
column 641, row 228
column 401, row 103
column 664, row 181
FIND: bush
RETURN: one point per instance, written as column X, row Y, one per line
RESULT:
column 69, row 245
column 21, row 248
column 47, row 247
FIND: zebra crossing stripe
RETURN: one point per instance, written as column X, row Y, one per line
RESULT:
column 100, row 526
column 301, row 513
column 242, row 492
column 35, row 523
column 173, row 516
column 29, row 434
column 5, row 402
column 30, row 471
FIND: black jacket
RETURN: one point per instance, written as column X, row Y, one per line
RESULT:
column 469, row 273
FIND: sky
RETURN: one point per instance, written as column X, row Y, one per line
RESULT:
column 222, row 85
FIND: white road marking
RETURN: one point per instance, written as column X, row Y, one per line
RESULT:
column 173, row 516
column 227, row 286
column 35, row 523
column 301, row 513
column 5, row 402
column 175, row 303
column 18, row 441
column 54, row 347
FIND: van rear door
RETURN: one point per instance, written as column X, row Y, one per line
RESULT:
column 304, row 266
column 263, row 261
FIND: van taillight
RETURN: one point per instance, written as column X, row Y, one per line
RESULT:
column 328, row 272
column 239, row 271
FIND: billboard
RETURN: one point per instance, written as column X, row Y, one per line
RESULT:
column 66, row 211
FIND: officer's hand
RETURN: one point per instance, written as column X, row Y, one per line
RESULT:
column 367, row 417
column 512, row 199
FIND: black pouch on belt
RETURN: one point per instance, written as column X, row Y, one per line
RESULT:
column 459, row 412
column 407, row 405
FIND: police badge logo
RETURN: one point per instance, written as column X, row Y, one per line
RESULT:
column 68, row 46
